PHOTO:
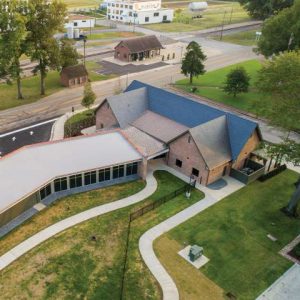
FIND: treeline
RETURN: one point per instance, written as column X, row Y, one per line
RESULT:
column 28, row 28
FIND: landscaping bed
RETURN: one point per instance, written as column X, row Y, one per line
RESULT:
column 86, row 261
column 79, row 121
column 243, row 260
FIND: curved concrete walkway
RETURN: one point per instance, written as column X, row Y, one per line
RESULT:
column 58, row 227
column 168, row 286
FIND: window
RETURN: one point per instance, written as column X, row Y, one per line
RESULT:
column 178, row 163
column 189, row 139
column 164, row 18
column 195, row 172
column 146, row 19
column 89, row 177
column 60, row 184
column 83, row 21
column 75, row 24
column 104, row 174
column 45, row 191
column 118, row 171
column 126, row 6
column 156, row 14
column 131, row 169
column 75, row 181
column 130, row 7
column 130, row 14
column 173, row 56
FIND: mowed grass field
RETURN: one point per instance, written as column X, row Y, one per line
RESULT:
column 244, row 38
column 73, row 266
column 243, row 260
column 215, row 15
column 82, row 3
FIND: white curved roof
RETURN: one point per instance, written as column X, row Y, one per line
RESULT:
column 29, row 168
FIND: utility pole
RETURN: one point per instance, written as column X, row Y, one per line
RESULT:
column 84, row 41
column 221, row 37
column 231, row 15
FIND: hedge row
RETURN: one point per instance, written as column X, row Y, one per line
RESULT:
column 76, row 123
column 272, row 173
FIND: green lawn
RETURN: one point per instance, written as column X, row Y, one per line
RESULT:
column 233, row 232
column 72, row 266
column 82, row 3
column 210, row 85
column 212, row 17
column 244, row 38
column 112, row 35
column 31, row 87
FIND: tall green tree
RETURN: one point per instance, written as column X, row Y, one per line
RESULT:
column 68, row 53
column 44, row 20
column 12, row 41
column 281, row 32
column 262, row 9
column 279, row 80
column 237, row 81
column 89, row 96
column 193, row 61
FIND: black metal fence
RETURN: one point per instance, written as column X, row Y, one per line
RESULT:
column 157, row 203
column 137, row 214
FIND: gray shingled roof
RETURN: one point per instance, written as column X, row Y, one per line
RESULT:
column 160, row 127
column 129, row 106
column 141, row 44
column 212, row 141
column 146, row 144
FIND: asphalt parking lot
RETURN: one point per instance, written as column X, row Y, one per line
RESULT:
column 32, row 134
column 109, row 68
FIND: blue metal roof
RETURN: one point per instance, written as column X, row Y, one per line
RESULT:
column 191, row 113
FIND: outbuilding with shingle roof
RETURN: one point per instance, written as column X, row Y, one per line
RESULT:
column 138, row 48
column 74, row 76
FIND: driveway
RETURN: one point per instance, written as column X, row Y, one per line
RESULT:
column 32, row 134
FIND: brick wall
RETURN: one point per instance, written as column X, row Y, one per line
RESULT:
column 105, row 117
column 190, row 156
column 250, row 146
column 122, row 53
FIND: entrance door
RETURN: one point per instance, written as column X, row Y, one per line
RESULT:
column 224, row 171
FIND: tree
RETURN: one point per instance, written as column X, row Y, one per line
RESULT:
column 68, row 53
column 279, row 80
column 281, row 32
column 89, row 96
column 237, row 81
column 44, row 20
column 262, row 9
column 192, row 63
column 12, row 41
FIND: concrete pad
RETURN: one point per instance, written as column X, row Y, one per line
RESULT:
column 285, row 287
column 39, row 206
column 198, row 263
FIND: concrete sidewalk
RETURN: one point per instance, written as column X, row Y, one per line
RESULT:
column 169, row 289
column 58, row 227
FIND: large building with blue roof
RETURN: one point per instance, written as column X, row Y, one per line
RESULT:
column 193, row 138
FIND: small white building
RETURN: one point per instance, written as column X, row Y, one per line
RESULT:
column 138, row 12
column 79, row 21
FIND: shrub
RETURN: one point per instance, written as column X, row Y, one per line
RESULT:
column 76, row 123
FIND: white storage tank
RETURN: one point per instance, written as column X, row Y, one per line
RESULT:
column 198, row 6
column 76, row 33
column 70, row 32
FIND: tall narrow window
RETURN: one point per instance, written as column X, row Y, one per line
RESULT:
column 195, row 172
column 178, row 163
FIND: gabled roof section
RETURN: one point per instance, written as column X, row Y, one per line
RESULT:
column 240, row 131
column 74, row 71
column 159, row 126
column 191, row 113
column 141, row 44
column 212, row 140
column 129, row 106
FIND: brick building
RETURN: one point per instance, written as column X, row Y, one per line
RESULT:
column 73, row 76
column 193, row 138
column 138, row 48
